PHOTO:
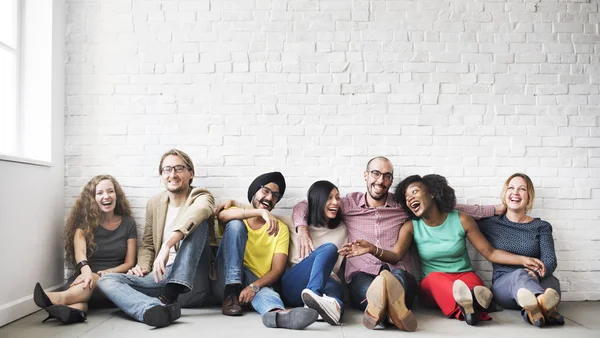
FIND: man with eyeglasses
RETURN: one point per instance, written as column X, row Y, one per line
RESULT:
column 252, row 257
column 174, row 256
column 374, row 216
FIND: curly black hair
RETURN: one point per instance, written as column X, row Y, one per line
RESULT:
column 436, row 185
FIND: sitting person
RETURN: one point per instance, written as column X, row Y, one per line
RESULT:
column 381, row 288
column 514, row 287
column 100, row 238
column 439, row 233
column 174, row 258
column 252, row 257
column 309, row 280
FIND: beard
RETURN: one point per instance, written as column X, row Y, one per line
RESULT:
column 256, row 203
column 377, row 197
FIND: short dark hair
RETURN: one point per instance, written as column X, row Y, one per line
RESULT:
column 436, row 185
column 318, row 194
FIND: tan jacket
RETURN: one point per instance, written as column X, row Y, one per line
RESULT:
column 199, row 206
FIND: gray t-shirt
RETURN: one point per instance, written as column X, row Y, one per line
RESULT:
column 111, row 246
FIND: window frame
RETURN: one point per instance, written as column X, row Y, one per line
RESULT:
column 17, row 51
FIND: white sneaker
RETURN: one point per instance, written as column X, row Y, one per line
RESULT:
column 326, row 306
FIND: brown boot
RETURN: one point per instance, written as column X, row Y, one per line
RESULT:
column 376, row 298
column 231, row 306
column 529, row 303
column 398, row 313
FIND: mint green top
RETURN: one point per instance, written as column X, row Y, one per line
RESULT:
column 442, row 248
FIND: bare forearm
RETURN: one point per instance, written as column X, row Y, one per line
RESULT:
column 173, row 239
column 505, row 258
column 385, row 255
column 269, row 278
column 238, row 213
column 123, row 268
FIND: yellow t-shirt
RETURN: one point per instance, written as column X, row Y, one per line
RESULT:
column 261, row 247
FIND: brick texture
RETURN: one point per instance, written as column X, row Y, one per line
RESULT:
column 473, row 90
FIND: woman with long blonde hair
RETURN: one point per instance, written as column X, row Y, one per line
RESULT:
column 100, row 238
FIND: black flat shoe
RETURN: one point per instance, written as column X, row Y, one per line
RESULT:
column 65, row 314
column 40, row 297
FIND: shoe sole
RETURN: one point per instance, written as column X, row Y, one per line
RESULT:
column 528, row 302
column 376, row 303
column 287, row 320
column 403, row 318
column 464, row 298
column 549, row 302
column 330, row 317
column 157, row 316
column 483, row 296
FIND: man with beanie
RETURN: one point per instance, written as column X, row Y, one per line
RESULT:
column 252, row 257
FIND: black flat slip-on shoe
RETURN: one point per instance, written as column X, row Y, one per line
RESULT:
column 40, row 297
column 464, row 299
column 65, row 314
column 159, row 315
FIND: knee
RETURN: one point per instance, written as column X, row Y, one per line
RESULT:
column 328, row 249
column 235, row 226
column 106, row 280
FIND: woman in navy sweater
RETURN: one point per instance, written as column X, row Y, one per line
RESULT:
column 536, row 292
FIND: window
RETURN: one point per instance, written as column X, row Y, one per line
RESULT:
column 28, row 35
column 9, row 76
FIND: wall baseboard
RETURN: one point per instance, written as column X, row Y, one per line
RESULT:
column 20, row 308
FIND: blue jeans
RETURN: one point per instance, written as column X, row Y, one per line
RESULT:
column 313, row 272
column 231, row 270
column 361, row 281
column 134, row 295
column 506, row 287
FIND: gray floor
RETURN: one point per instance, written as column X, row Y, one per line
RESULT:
column 583, row 321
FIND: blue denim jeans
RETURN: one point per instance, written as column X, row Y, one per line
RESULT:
column 313, row 272
column 229, row 264
column 361, row 281
column 134, row 295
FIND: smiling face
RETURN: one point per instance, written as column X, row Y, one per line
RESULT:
column 516, row 196
column 332, row 206
column 378, row 187
column 106, row 196
column 264, row 199
column 176, row 182
column 418, row 199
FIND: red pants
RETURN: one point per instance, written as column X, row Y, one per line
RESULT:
column 436, row 288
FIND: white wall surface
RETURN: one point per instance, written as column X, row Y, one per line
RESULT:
column 32, row 199
column 473, row 90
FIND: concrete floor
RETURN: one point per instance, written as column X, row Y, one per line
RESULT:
column 583, row 320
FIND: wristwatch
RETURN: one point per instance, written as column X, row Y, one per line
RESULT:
column 255, row 288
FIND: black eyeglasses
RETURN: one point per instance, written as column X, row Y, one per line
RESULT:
column 178, row 168
column 376, row 174
column 267, row 191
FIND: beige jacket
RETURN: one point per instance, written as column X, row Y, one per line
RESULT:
column 199, row 206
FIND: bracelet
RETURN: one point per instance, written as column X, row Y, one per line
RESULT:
column 81, row 265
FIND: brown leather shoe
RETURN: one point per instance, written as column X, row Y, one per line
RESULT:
column 231, row 306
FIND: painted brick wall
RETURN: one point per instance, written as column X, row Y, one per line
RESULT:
column 473, row 90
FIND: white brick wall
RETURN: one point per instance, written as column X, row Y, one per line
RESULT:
column 474, row 90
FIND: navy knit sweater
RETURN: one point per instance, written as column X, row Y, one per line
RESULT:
column 533, row 239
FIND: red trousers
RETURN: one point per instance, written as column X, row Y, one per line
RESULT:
column 436, row 288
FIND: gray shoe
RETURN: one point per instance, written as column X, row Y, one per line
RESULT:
column 295, row 319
